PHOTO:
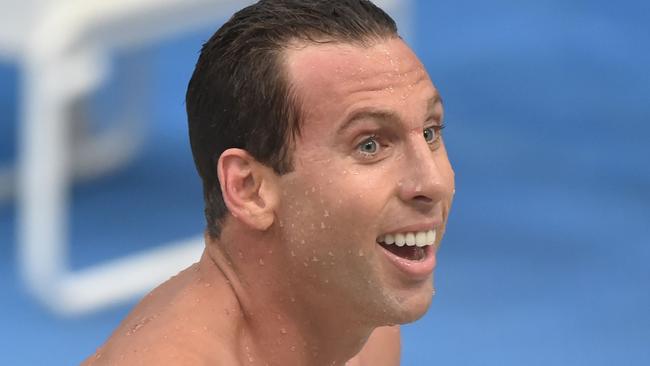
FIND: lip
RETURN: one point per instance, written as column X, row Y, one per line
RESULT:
column 415, row 270
column 432, row 225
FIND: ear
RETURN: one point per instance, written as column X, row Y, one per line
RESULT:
column 248, row 187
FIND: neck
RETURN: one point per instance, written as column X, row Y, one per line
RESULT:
column 277, row 325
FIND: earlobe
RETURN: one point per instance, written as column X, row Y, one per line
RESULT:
column 248, row 188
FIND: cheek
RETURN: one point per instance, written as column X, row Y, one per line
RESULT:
column 446, row 170
column 326, row 209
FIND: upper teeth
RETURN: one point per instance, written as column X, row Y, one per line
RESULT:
column 419, row 238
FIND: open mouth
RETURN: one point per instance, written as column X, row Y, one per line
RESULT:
column 409, row 253
column 411, row 246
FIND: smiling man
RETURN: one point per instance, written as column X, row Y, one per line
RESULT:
column 316, row 132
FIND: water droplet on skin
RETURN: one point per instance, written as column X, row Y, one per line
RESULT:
column 331, row 254
column 293, row 299
column 293, row 254
column 207, row 284
column 315, row 259
column 326, row 213
column 305, row 264
column 361, row 254
column 322, row 225
column 261, row 262
column 293, row 348
column 240, row 254
column 313, row 189
column 138, row 325
column 283, row 331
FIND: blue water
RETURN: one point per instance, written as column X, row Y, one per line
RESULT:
column 546, row 257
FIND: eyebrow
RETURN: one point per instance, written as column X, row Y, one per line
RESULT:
column 384, row 117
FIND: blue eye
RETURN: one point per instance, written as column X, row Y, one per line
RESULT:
column 430, row 135
column 369, row 146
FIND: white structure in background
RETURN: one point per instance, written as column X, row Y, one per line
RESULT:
column 63, row 48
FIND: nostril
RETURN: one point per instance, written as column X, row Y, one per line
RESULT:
column 423, row 199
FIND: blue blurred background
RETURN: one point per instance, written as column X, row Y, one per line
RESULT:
column 546, row 257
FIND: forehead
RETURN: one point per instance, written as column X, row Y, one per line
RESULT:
column 333, row 80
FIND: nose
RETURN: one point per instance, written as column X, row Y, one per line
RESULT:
column 426, row 177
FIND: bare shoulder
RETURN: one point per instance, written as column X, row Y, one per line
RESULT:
column 381, row 349
column 177, row 323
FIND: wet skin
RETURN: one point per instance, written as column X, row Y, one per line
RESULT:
column 297, row 276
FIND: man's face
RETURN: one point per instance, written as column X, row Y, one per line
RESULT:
column 369, row 165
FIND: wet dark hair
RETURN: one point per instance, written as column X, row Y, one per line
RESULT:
column 240, row 95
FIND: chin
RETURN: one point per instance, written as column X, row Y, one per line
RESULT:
column 407, row 309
